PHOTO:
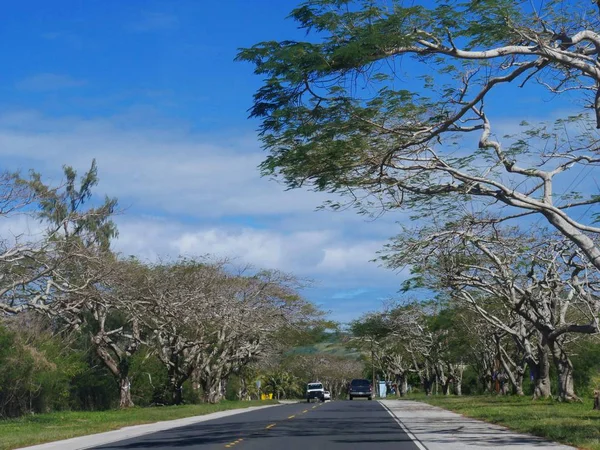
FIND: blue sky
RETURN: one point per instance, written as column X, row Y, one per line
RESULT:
column 150, row 90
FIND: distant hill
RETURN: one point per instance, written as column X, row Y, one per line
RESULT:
column 334, row 344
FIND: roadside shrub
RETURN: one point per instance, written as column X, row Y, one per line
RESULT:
column 586, row 364
column 470, row 382
column 149, row 380
column 35, row 371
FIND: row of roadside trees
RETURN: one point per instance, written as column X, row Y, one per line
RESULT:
column 445, row 347
column 391, row 105
column 203, row 320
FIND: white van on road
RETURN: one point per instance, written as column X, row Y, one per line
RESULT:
column 315, row 390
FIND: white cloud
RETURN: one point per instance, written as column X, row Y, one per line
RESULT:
column 346, row 257
column 189, row 194
column 173, row 171
column 249, row 245
column 20, row 228
column 305, row 253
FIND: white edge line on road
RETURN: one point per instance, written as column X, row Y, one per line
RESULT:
column 406, row 430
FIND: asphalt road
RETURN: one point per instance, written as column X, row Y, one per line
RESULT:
column 357, row 425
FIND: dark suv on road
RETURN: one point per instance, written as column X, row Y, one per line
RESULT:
column 360, row 388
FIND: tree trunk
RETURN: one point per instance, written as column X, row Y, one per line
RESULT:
column 515, row 377
column 125, row 392
column 119, row 369
column 446, row 387
column 212, row 392
column 504, row 385
column 458, row 386
column 487, row 382
column 223, row 387
column 243, row 390
column 402, row 383
column 174, row 387
column 176, row 379
column 213, row 396
column 597, row 400
column 518, row 384
column 177, row 395
column 543, row 387
column 211, row 389
column 564, row 369
column 176, row 390
column 195, row 378
column 427, row 385
column 443, row 379
column 458, row 371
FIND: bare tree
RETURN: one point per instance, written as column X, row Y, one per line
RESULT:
column 547, row 282
column 178, row 305
column 37, row 267
column 106, row 310
column 243, row 321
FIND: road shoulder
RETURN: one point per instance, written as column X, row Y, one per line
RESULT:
column 93, row 440
column 435, row 428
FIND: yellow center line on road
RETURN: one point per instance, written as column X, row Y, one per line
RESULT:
column 231, row 444
column 268, row 427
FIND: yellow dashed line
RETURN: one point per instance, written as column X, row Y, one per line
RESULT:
column 268, row 427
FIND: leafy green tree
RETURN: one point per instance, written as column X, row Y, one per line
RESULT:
column 62, row 209
column 385, row 102
column 369, row 331
column 281, row 384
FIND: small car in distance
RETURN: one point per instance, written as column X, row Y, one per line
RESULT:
column 314, row 390
column 326, row 395
column 360, row 388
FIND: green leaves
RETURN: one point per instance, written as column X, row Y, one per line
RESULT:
column 332, row 110
column 62, row 208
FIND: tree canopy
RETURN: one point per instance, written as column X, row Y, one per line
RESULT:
column 385, row 102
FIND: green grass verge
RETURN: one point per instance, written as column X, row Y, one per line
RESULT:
column 574, row 424
column 40, row 428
